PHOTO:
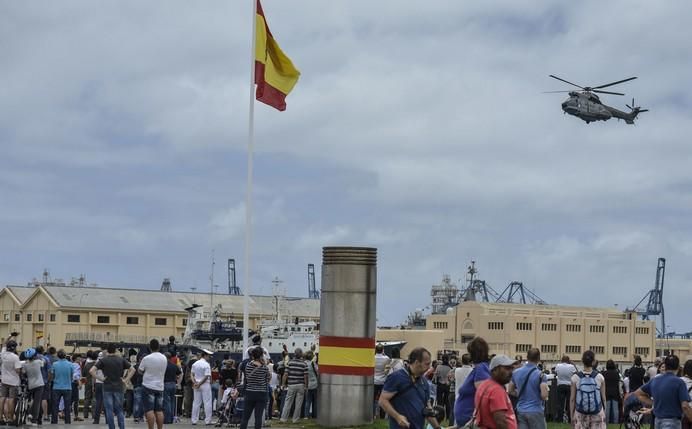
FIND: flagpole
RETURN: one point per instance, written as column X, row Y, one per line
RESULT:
column 248, row 192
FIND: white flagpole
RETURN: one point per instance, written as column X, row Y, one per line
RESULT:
column 248, row 193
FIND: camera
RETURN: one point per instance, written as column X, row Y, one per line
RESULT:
column 437, row 411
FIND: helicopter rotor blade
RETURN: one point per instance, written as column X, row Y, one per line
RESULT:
column 614, row 83
column 643, row 110
column 607, row 92
column 566, row 81
column 553, row 92
column 629, row 107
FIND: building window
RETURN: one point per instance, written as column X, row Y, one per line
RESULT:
column 641, row 351
column 572, row 349
column 160, row 321
column 52, row 318
column 439, row 325
column 29, row 317
column 573, row 328
column 619, row 329
column 496, row 326
column 523, row 347
column 641, row 330
column 548, row 348
column 73, row 318
column 17, row 317
column 617, row 350
column 599, row 350
column 524, row 326
column 7, row 317
column 549, row 327
column 185, row 321
column 103, row 319
column 132, row 320
column 596, row 328
column 40, row 317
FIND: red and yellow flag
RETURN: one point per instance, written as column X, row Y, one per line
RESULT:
column 275, row 74
column 347, row 355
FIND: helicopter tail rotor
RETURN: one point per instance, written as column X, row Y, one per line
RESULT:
column 634, row 111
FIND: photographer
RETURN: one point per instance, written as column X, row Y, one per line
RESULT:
column 405, row 394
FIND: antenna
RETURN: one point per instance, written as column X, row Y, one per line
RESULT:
column 211, row 280
column 233, row 288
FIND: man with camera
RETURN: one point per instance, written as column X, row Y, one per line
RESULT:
column 405, row 394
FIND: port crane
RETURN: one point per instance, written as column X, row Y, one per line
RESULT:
column 313, row 293
column 654, row 300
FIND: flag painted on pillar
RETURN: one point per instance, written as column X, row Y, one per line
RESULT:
column 275, row 74
column 347, row 355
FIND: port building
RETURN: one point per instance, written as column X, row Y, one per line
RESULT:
column 56, row 314
column 512, row 329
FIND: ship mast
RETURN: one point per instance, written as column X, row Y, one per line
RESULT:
column 275, row 289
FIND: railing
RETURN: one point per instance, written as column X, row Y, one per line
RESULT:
column 100, row 337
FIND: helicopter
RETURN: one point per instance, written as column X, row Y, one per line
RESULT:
column 586, row 105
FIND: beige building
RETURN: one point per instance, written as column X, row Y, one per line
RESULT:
column 52, row 315
column 513, row 329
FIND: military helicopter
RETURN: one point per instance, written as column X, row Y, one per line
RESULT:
column 586, row 105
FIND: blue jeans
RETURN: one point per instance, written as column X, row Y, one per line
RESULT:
column 168, row 402
column 66, row 396
column 311, row 403
column 137, row 406
column 98, row 401
column 667, row 424
column 612, row 411
column 113, row 402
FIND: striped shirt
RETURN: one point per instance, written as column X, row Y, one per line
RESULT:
column 256, row 377
column 297, row 370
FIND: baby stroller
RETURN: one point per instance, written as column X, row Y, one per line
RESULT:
column 231, row 410
column 22, row 406
column 633, row 419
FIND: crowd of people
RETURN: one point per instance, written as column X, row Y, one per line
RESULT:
column 116, row 384
column 480, row 390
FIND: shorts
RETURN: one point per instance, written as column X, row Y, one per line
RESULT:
column 7, row 391
column 152, row 400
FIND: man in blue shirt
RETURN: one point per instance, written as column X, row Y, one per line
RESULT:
column 530, row 387
column 670, row 396
column 61, row 374
column 405, row 394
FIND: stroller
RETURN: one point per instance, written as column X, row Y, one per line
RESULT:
column 22, row 406
column 232, row 409
column 632, row 418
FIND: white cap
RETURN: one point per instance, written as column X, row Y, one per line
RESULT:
column 207, row 352
column 501, row 360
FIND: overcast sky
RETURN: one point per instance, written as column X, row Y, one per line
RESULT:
column 418, row 128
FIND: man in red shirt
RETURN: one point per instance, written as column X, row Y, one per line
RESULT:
column 493, row 407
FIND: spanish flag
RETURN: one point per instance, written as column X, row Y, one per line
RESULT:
column 275, row 74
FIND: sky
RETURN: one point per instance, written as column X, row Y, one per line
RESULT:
column 418, row 128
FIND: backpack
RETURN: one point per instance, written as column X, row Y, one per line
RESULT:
column 588, row 398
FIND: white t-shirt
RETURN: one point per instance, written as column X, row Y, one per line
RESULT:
column 153, row 367
column 460, row 375
column 599, row 379
column 265, row 353
column 10, row 364
column 564, row 372
column 381, row 363
column 200, row 369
